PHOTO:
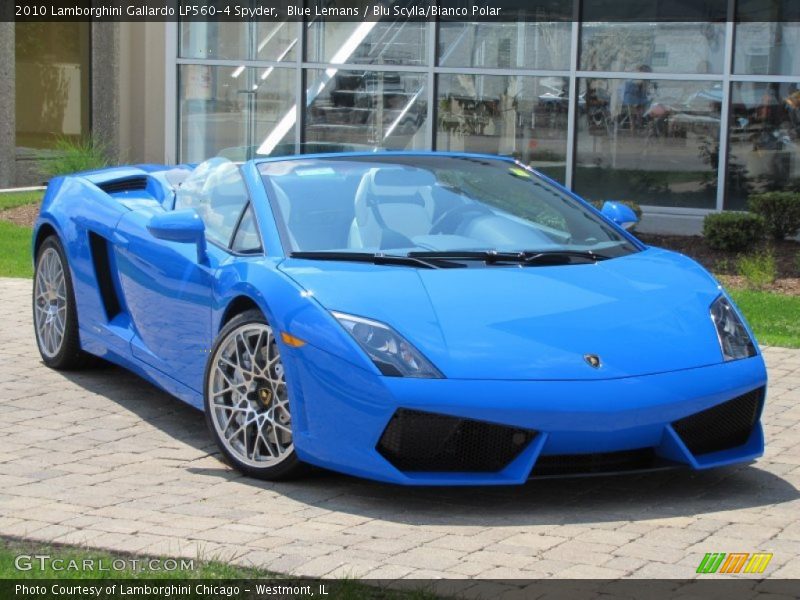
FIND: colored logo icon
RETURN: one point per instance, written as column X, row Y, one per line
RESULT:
column 735, row 562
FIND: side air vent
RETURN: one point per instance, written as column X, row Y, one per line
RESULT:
column 723, row 426
column 102, row 269
column 131, row 184
column 427, row 442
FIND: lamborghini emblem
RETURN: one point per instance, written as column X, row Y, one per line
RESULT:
column 265, row 396
column 592, row 360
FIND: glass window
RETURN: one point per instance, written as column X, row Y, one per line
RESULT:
column 348, row 110
column 654, row 142
column 214, row 39
column 763, row 140
column 231, row 111
column 276, row 41
column 367, row 42
column 216, row 190
column 539, row 45
column 247, row 240
column 653, row 47
column 433, row 203
column 262, row 40
column 52, row 65
column 525, row 117
column 767, row 48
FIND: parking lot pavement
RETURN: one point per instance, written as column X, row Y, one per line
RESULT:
column 103, row 459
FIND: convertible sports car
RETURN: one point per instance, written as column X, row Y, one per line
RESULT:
column 418, row 318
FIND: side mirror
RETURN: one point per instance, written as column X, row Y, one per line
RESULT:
column 621, row 214
column 184, row 226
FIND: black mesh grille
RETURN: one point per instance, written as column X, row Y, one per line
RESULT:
column 605, row 462
column 131, row 184
column 422, row 441
column 720, row 427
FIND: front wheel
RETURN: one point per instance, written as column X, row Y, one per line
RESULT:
column 247, row 401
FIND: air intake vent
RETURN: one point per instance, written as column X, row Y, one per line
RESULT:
column 422, row 441
column 131, row 184
column 102, row 268
column 603, row 462
column 721, row 427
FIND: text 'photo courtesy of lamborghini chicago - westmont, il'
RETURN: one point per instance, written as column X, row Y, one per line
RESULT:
column 420, row 318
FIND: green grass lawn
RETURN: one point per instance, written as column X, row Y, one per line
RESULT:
column 15, row 250
column 14, row 199
column 775, row 318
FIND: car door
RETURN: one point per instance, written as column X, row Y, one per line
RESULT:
column 168, row 285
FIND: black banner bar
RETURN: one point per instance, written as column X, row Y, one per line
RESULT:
column 649, row 11
column 734, row 588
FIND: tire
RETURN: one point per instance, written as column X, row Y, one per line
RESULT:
column 55, row 318
column 246, row 400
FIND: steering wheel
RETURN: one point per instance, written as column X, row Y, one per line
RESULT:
column 451, row 219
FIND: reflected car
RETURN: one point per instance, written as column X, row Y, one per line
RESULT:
column 416, row 318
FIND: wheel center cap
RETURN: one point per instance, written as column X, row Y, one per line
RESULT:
column 265, row 396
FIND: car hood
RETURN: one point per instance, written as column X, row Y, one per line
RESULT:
column 640, row 314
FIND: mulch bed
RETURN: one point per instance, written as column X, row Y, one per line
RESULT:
column 21, row 215
column 724, row 264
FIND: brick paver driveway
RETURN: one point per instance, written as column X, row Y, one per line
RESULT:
column 103, row 459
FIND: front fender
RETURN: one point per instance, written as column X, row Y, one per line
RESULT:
column 287, row 306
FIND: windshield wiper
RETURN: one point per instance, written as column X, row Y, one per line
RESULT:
column 525, row 257
column 560, row 256
column 377, row 258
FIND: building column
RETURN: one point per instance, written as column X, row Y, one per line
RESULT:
column 8, row 127
column 105, row 86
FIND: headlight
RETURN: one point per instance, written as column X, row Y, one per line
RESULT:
column 391, row 353
column 734, row 340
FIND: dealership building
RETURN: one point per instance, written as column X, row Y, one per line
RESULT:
column 682, row 117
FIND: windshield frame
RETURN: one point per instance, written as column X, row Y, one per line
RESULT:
column 386, row 156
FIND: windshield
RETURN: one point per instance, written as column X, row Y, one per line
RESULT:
column 429, row 203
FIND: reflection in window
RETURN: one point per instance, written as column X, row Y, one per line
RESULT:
column 659, row 47
column 654, row 142
column 539, row 45
column 52, row 77
column 215, row 39
column 262, row 40
column 764, row 136
column 351, row 110
column 767, row 37
column 525, row 117
column 368, row 42
column 767, row 49
column 230, row 110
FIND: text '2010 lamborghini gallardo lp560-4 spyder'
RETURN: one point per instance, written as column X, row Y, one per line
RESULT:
column 417, row 318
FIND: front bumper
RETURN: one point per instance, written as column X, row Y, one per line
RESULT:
column 341, row 413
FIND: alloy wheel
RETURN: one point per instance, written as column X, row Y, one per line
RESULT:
column 248, row 399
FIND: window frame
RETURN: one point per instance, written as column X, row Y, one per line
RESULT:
column 258, row 251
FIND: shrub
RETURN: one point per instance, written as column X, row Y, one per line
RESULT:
column 733, row 231
column 759, row 270
column 797, row 263
column 780, row 210
column 69, row 156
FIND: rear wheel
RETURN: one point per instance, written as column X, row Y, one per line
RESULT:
column 247, row 401
column 55, row 318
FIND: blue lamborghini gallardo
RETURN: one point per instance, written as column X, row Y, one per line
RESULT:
column 418, row 318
